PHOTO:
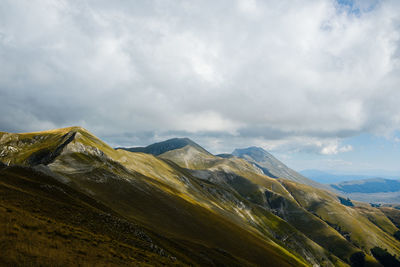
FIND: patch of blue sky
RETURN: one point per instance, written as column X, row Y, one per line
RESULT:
column 357, row 7
column 370, row 155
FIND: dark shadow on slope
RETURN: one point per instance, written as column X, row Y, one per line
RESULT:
column 47, row 156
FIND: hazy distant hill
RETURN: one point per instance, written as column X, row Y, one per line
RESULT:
column 331, row 178
column 359, row 187
column 68, row 198
column 374, row 190
column 373, row 185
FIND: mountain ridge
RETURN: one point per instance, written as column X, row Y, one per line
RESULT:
column 370, row 185
column 207, row 210
column 327, row 177
column 165, row 146
column 271, row 166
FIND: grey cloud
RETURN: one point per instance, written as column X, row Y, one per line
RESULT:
column 226, row 73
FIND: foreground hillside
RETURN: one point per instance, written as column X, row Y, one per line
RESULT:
column 171, row 203
column 44, row 222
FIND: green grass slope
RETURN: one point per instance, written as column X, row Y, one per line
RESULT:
column 197, row 208
column 250, row 183
column 343, row 231
column 165, row 146
column 45, row 223
column 362, row 226
column 271, row 166
column 150, row 192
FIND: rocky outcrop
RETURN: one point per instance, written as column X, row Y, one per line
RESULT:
column 46, row 156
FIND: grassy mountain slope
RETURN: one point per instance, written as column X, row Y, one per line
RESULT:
column 363, row 226
column 280, row 201
column 271, row 166
column 393, row 214
column 193, row 158
column 45, row 222
column 200, row 208
column 316, row 213
column 166, row 201
column 164, row 146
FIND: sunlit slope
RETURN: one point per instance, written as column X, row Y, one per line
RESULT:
column 270, row 194
column 167, row 145
column 280, row 196
column 34, row 148
column 246, row 178
column 191, row 157
column 363, row 226
column 206, row 209
column 195, row 158
column 393, row 214
column 158, row 197
column 168, row 178
column 166, row 200
column 249, row 182
column 250, row 204
column 271, row 166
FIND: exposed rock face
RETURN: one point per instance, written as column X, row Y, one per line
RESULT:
column 78, row 147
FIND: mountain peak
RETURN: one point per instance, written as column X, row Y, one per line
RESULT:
column 271, row 166
column 167, row 145
column 254, row 152
column 249, row 149
column 43, row 147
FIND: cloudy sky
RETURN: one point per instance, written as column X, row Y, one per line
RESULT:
column 317, row 82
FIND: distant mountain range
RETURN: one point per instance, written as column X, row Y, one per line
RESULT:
column 373, row 185
column 325, row 177
column 360, row 187
column 68, row 198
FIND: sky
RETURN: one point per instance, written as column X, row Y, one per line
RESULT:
column 315, row 82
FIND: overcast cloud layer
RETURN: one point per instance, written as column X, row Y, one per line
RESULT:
column 279, row 74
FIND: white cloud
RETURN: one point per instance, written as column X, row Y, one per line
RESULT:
column 333, row 149
column 346, row 148
column 285, row 74
column 249, row 7
column 207, row 121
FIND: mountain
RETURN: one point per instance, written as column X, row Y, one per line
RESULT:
column 247, row 178
column 271, row 166
column 330, row 178
column 162, row 147
column 44, row 222
column 373, row 190
column 68, row 198
column 374, row 185
column 147, row 192
column 359, row 187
